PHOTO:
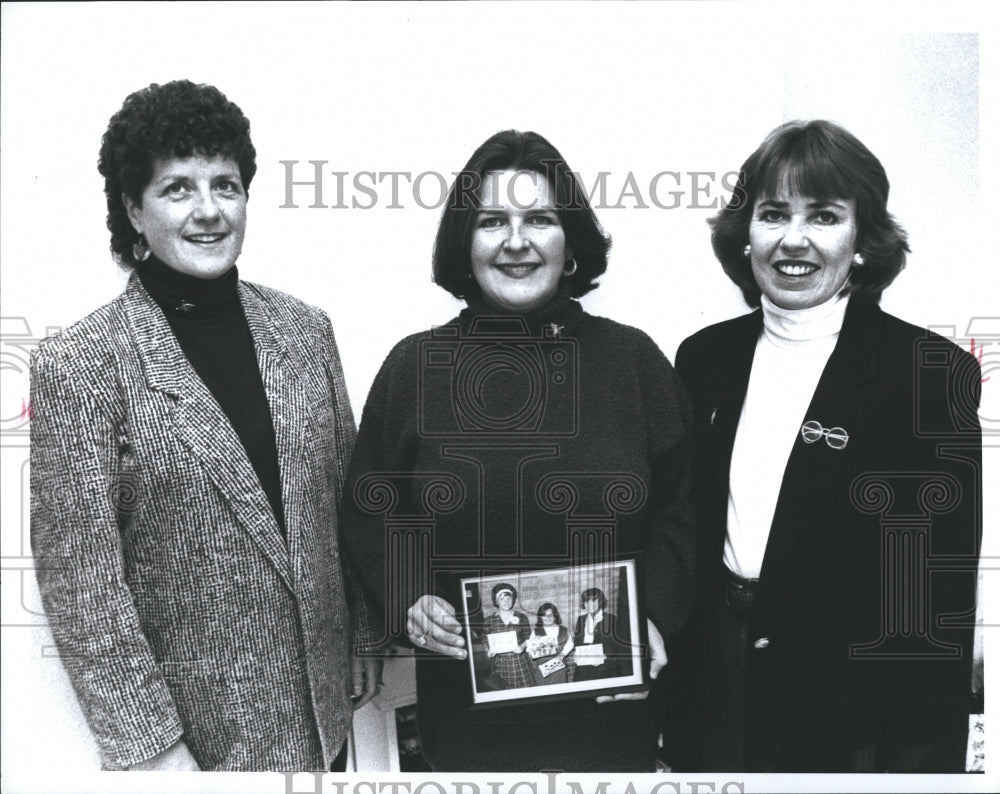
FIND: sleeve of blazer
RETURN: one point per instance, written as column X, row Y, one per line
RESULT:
column 927, row 725
column 366, row 636
column 383, row 446
column 669, row 562
column 76, row 540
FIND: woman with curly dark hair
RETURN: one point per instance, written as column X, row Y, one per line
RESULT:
column 518, row 426
column 183, row 520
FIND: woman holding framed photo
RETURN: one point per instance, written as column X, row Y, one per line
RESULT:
column 483, row 441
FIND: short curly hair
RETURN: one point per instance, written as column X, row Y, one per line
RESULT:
column 159, row 122
column 821, row 160
column 514, row 150
column 499, row 588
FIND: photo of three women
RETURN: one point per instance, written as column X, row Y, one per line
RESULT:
column 219, row 596
column 515, row 653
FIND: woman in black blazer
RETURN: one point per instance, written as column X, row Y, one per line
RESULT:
column 597, row 628
column 838, row 486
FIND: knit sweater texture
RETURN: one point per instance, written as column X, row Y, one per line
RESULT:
column 503, row 443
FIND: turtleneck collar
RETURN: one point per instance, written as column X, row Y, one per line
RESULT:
column 785, row 327
column 559, row 316
column 186, row 296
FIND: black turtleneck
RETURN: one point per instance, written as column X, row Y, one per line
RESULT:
column 207, row 318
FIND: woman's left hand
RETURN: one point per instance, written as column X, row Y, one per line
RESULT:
column 366, row 679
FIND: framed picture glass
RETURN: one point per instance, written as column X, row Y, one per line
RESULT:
column 405, row 749
column 551, row 633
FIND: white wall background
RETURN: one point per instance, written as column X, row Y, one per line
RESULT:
column 619, row 87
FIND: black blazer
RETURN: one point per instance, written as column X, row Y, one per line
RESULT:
column 616, row 648
column 862, row 635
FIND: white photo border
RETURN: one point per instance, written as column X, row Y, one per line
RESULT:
column 570, row 577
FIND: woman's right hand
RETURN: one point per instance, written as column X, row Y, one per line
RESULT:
column 431, row 624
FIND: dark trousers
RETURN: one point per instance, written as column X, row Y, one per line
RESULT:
column 723, row 746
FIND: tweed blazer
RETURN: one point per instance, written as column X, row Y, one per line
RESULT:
column 861, row 636
column 179, row 609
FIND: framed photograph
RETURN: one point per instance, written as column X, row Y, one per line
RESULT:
column 402, row 737
column 556, row 632
column 409, row 749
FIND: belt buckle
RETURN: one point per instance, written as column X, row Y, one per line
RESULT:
column 740, row 596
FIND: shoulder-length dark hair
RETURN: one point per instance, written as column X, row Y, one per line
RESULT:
column 541, row 612
column 821, row 160
column 513, row 150
column 159, row 122
column 593, row 593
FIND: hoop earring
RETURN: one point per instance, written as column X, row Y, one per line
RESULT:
column 746, row 252
column 859, row 261
column 140, row 250
column 572, row 268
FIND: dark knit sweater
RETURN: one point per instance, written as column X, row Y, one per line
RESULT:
column 207, row 318
column 468, row 430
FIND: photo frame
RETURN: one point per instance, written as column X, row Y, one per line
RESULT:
column 553, row 633
column 403, row 738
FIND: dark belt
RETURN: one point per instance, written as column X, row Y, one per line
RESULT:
column 740, row 593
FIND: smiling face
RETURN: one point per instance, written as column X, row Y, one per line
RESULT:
column 548, row 619
column 505, row 600
column 193, row 214
column 519, row 247
column 801, row 249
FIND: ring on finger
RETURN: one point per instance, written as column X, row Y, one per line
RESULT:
column 420, row 639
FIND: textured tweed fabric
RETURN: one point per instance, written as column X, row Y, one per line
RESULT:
column 178, row 607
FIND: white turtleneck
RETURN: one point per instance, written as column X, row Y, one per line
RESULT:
column 791, row 353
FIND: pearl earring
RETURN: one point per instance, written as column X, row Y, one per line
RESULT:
column 746, row 252
column 859, row 260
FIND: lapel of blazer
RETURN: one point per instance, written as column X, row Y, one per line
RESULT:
column 731, row 365
column 201, row 424
column 290, row 407
column 839, row 401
